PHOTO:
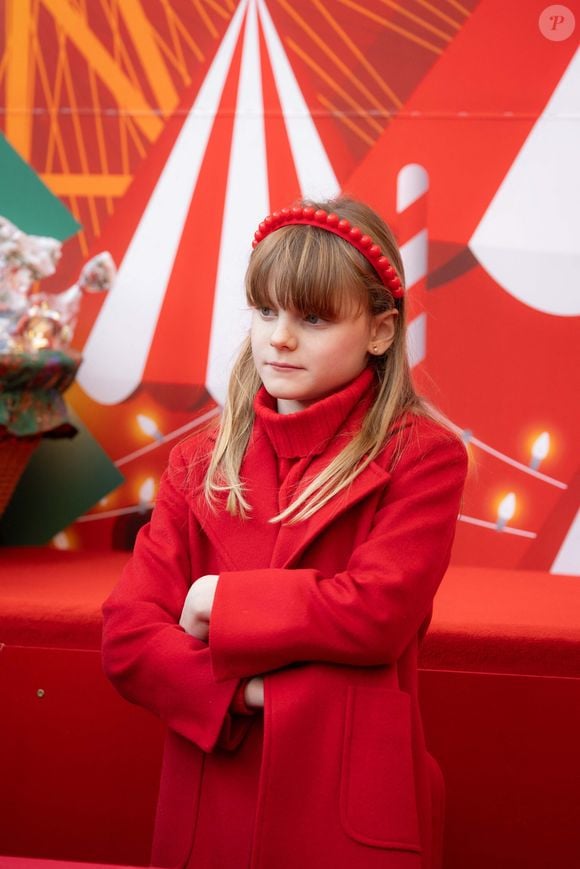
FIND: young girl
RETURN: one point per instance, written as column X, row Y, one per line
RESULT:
column 272, row 611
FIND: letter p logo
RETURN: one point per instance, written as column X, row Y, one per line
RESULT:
column 557, row 23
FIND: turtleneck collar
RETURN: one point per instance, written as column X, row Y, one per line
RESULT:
column 308, row 431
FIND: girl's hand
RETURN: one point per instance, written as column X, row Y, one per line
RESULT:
column 254, row 692
column 196, row 611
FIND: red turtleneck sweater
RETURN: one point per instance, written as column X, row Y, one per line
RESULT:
column 296, row 438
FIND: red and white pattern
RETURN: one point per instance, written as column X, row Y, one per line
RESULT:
column 475, row 169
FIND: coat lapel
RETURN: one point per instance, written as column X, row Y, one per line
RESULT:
column 257, row 543
column 294, row 539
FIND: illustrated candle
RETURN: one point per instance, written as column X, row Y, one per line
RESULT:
column 506, row 510
column 149, row 427
column 540, row 449
column 146, row 494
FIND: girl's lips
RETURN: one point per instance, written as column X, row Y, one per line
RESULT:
column 283, row 366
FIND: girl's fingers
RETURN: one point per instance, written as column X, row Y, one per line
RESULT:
column 195, row 626
column 254, row 692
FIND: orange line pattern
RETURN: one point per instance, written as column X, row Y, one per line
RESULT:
column 95, row 80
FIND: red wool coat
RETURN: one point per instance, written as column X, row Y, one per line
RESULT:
column 331, row 610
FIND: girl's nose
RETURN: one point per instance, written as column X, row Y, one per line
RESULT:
column 282, row 336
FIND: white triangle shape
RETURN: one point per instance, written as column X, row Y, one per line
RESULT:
column 115, row 354
column 528, row 237
column 315, row 174
column 247, row 202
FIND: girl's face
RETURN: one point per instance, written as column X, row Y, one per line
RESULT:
column 301, row 359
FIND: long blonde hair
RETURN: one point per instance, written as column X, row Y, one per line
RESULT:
column 312, row 271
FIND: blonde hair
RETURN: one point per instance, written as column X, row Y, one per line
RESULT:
column 312, row 271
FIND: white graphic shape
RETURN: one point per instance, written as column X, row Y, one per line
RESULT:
column 246, row 204
column 414, row 253
column 528, row 237
column 116, row 351
column 417, row 340
column 315, row 174
column 412, row 182
column 567, row 560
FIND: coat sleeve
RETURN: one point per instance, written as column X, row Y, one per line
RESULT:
column 365, row 615
column 147, row 656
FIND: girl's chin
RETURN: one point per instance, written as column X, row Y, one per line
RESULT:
column 277, row 390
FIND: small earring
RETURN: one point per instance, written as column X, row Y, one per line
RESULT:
column 374, row 348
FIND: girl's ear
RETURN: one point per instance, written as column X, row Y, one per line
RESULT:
column 382, row 332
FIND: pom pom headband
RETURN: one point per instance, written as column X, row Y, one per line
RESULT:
column 310, row 216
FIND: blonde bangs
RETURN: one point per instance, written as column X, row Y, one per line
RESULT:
column 309, row 271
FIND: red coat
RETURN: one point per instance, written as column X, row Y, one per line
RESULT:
column 331, row 610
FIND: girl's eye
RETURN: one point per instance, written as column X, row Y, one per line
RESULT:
column 313, row 319
column 265, row 312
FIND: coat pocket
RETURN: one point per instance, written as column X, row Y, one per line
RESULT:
column 378, row 804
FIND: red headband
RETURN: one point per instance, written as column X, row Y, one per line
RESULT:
column 310, row 216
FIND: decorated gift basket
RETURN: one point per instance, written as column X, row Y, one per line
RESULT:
column 37, row 363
